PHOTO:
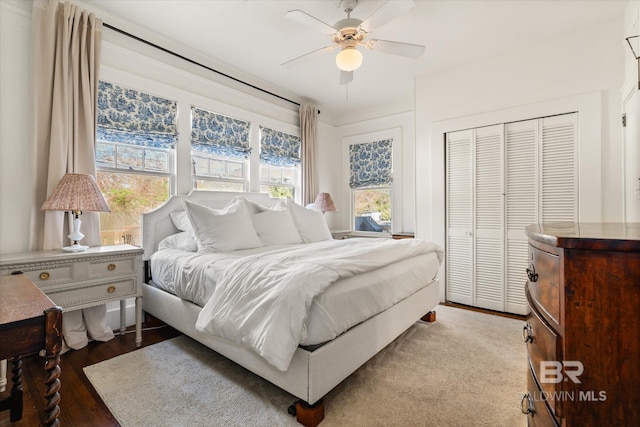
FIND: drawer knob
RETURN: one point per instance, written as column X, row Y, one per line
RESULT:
column 44, row 275
column 111, row 267
column 531, row 273
column 527, row 333
column 526, row 404
column 111, row 289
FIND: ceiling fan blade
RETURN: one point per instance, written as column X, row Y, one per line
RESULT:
column 303, row 58
column 310, row 21
column 385, row 14
column 346, row 77
column 396, row 48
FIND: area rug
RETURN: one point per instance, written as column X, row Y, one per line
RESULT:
column 465, row 369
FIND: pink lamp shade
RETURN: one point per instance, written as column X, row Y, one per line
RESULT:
column 324, row 202
column 76, row 192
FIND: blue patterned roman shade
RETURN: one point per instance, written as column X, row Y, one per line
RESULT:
column 279, row 148
column 370, row 164
column 219, row 135
column 132, row 117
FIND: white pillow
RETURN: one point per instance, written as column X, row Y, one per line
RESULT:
column 228, row 229
column 252, row 207
column 276, row 227
column 183, row 241
column 309, row 222
column 181, row 221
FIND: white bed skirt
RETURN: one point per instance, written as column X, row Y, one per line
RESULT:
column 311, row 374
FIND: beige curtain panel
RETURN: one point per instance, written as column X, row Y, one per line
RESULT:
column 66, row 43
column 308, row 141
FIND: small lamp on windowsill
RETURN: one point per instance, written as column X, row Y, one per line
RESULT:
column 324, row 202
column 76, row 192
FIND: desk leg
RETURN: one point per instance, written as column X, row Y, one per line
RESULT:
column 138, row 321
column 53, row 346
column 15, row 404
column 123, row 316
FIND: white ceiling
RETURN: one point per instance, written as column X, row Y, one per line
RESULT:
column 253, row 37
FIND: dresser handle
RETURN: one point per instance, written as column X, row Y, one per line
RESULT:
column 44, row 275
column 111, row 289
column 527, row 333
column 531, row 273
column 526, row 404
column 111, row 267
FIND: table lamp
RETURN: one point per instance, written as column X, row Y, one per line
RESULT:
column 324, row 202
column 76, row 192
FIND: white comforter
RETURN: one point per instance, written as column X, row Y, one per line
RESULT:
column 263, row 300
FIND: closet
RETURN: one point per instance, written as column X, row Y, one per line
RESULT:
column 500, row 179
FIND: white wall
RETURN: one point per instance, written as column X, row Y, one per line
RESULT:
column 631, row 106
column 588, row 64
column 16, row 169
column 402, row 128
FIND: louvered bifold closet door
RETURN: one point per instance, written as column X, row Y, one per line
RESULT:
column 558, row 180
column 521, row 206
column 489, row 223
column 459, row 251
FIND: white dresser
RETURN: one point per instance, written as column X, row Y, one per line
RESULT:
column 75, row 280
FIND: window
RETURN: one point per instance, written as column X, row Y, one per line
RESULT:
column 370, row 172
column 279, row 163
column 136, row 136
column 219, row 151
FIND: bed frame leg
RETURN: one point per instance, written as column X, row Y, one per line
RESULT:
column 429, row 317
column 310, row 415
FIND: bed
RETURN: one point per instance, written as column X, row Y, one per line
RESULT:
column 321, row 358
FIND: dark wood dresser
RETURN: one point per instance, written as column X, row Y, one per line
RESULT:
column 583, row 330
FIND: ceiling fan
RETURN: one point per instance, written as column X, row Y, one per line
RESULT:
column 349, row 33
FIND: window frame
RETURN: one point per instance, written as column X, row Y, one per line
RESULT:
column 397, row 223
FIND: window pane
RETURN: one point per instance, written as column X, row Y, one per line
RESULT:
column 156, row 161
column 372, row 210
column 128, row 197
column 130, row 157
column 275, row 175
column 278, row 192
column 218, row 168
column 236, row 170
column 201, row 166
column 201, row 184
column 288, row 176
column 264, row 174
column 105, row 154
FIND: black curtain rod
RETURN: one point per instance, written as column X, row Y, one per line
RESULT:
column 170, row 52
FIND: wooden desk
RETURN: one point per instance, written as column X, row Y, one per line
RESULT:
column 29, row 323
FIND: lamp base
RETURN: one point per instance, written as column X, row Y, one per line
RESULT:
column 75, row 248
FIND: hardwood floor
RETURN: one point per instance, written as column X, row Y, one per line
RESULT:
column 80, row 405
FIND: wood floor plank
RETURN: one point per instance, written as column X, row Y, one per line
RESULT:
column 80, row 405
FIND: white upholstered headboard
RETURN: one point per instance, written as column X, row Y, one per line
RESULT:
column 157, row 224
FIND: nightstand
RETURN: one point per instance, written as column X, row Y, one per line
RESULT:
column 75, row 280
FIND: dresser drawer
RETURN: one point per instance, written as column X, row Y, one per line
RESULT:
column 45, row 275
column 543, row 346
column 92, row 293
column 534, row 404
column 544, row 282
column 111, row 267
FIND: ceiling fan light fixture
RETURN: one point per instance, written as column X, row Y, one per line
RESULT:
column 349, row 59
